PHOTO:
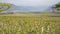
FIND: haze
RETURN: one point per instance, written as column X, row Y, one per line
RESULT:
column 33, row 3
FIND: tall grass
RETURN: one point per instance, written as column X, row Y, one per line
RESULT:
column 29, row 25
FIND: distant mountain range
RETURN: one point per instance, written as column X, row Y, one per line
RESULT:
column 28, row 8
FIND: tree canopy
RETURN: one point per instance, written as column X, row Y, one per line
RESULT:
column 5, row 6
column 57, row 6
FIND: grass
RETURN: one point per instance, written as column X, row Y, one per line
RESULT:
column 30, row 24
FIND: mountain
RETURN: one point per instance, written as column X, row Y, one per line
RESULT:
column 27, row 8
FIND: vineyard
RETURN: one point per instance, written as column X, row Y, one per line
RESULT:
column 30, row 24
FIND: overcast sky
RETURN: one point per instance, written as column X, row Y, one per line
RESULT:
column 31, row 2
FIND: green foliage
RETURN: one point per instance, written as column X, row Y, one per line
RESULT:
column 57, row 6
column 7, row 6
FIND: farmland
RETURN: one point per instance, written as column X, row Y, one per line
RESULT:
column 30, row 24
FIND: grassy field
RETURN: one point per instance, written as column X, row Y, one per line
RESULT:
column 30, row 24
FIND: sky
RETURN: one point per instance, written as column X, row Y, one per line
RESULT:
column 31, row 2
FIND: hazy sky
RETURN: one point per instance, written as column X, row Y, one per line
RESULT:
column 31, row 2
